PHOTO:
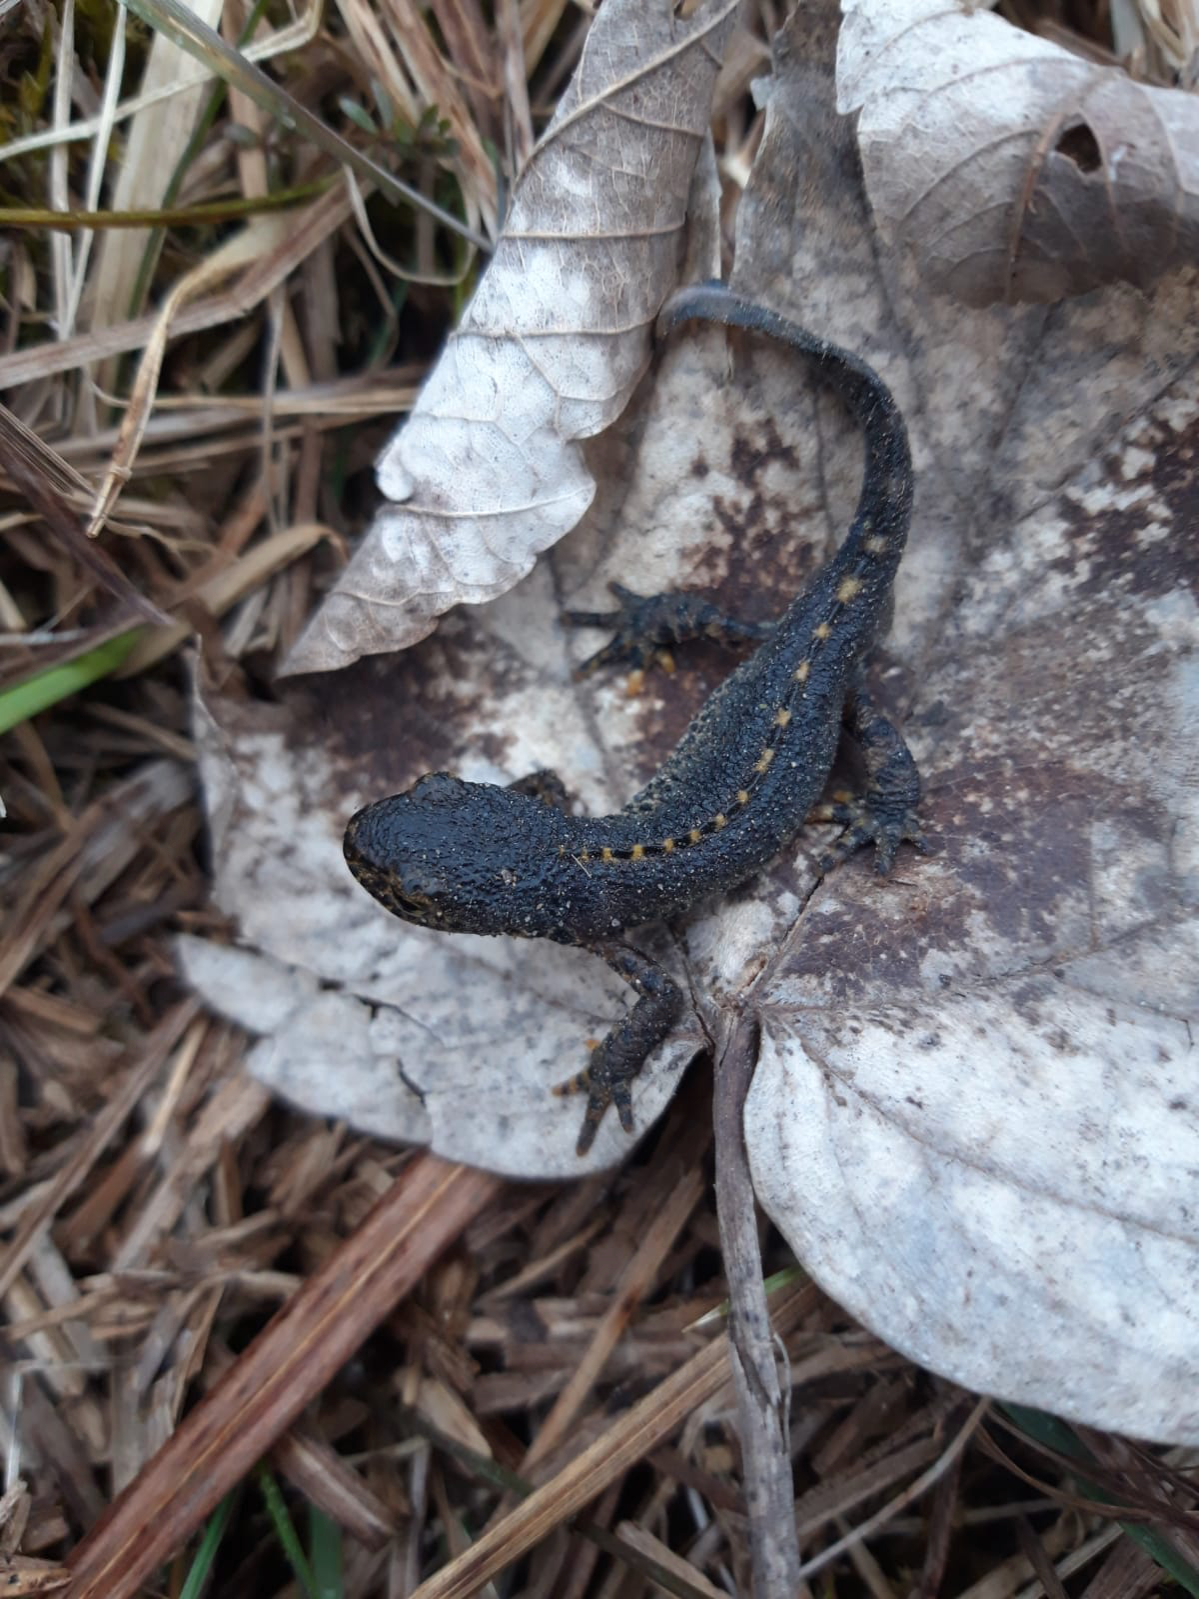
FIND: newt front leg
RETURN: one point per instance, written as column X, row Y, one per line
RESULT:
column 607, row 1079
column 644, row 626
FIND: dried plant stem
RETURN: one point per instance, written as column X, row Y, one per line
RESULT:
column 423, row 1211
column 643, row 1267
column 298, row 237
column 106, row 1125
column 945, row 1462
column 190, row 33
column 761, row 1401
column 640, row 1430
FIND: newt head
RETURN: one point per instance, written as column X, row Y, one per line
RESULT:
column 456, row 856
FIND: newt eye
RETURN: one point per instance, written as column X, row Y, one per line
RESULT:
column 412, row 898
column 441, row 789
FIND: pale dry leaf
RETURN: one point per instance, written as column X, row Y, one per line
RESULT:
column 1009, row 168
column 488, row 470
column 454, row 1042
column 975, row 1116
column 972, row 1116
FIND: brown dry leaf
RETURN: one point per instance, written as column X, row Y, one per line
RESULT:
column 20, row 1576
column 1008, row 168
column 973, row 1115
column 488, row 470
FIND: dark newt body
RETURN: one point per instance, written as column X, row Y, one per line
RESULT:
column 476, row 858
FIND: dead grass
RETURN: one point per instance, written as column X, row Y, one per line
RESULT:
column 484, row 1386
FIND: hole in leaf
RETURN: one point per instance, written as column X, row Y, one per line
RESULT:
column 1080, row 145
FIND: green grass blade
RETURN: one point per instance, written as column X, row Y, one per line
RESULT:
column 285, row 1531
column 201, row 1565
column 38, row 693
column 1059, row 1435
column 324, row 1547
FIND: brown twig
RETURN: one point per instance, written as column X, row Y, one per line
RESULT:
column 761, row 1400
column 423, row 1211
column 640, row 1430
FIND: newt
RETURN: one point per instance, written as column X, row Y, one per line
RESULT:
column 465, row 857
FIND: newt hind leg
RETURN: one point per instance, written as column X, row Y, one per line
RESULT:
column 885, row 813
column 644, row 626
column 616, row 1061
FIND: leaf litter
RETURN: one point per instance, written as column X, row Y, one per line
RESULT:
column 974, row 1110
column 178, row 1227
column 932, row 1043
column 487, row 470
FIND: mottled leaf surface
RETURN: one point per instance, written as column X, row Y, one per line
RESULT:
column 488, row 471
column 453, row 1042
column 1008, row 168
column 974, row 1114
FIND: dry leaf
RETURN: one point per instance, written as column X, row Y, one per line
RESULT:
column 1010, row 169
column 972, row 1115
column 454, row 1042
column 488, row 471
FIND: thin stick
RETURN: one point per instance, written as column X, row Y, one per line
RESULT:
column 761, row 1399
column 420, row 1215
column 911, row 1493
column 640, row 1430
